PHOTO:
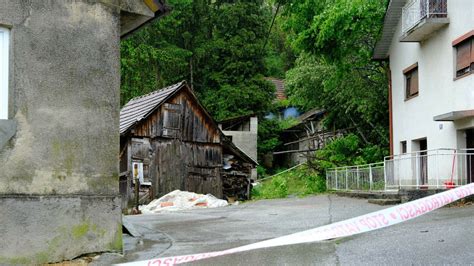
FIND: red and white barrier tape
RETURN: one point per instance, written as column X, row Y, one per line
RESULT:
column 353, row 226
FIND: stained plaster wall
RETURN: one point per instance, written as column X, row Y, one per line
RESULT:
column 59, row 172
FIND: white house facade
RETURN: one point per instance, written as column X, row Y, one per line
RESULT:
column 430, row 48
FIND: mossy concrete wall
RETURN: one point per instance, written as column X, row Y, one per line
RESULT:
column 59, row 172
column 40, row 229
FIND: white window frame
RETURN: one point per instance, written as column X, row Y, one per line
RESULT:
column 4, row 61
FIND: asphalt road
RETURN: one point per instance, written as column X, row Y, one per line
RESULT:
column 445, row 236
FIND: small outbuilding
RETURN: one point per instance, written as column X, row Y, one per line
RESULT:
column 178, row 145
column 304, row 138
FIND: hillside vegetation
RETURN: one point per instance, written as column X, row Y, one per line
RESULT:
column 225, row 48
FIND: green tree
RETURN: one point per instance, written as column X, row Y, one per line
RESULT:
column 217, row 46
column 335, row 39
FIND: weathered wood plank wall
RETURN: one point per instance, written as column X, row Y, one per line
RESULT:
column 182, row 148
column 187, row 166
column 193, row 124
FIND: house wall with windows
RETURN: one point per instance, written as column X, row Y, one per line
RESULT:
column 439, row 91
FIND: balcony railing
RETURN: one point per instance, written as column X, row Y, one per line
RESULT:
column 417, row 10
column 429, row 169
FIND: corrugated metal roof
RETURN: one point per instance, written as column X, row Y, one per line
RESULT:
column 392, row 17
column 140, row 107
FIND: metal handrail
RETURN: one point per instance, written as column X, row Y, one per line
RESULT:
column 418, row 152
column 357, row 166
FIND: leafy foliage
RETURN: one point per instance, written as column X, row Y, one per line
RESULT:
column 276, row 188
column 300, row 181
column 268, row 136
column 335, row 71
column 215, row 45
column 348, row 150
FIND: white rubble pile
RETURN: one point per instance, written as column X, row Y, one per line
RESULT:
column 182, row 200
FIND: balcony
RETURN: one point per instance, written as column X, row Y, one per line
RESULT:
column 420, row 18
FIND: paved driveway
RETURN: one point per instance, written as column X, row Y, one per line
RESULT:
column 445, row 236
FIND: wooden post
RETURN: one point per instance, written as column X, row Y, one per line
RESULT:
column 137, row 185
column 137, row 190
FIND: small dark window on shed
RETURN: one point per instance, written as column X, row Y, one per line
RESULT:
column 171, row 120
column 464, row 57
column 411, row 81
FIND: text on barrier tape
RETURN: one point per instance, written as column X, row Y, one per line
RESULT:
column 357, row 225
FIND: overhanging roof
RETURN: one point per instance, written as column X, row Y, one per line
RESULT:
column 141, row 107
column 136, row 13
column 392, row 17
column 454, row 115
column 238, row 151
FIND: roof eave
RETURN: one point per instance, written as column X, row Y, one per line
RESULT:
column 391, row 20
column 136, row 14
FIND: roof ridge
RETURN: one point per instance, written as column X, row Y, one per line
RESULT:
column 156, row 91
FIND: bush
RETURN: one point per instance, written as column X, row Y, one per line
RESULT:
column 261, row 172
column 276, row 188
column 348, row 150
column 300, row 181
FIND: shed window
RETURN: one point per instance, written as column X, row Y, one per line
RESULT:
column 171, row 120
column 465, row 57
column 4, row 47
column 411, row 81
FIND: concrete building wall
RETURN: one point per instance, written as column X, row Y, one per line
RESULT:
column 438, row 93
column 59, row 172
column 246, row 140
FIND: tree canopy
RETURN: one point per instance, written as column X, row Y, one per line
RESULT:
column 217, row 46
column 335, row 40
column 225, row 48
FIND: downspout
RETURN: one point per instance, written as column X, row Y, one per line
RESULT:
column 390, row 111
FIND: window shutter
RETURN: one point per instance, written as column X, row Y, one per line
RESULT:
column 472, row 52
column 414, row 82
column 463, row 55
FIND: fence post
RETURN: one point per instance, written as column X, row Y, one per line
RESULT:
column 370, row 177
column 417, row 172
column 327, row 179
column 347, row 175
column 384, row 176
column 437, row 170
column 357, row 176
column 336, row 179
column 398, row 171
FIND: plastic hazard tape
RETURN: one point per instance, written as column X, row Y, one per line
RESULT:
column 353, row 226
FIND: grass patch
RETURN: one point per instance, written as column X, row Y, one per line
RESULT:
column 300, row 181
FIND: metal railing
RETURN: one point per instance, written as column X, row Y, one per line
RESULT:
column 441, row 168
column 360, row 177
column 433, row 169
column 417, row 10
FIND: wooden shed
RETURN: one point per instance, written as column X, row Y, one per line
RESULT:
column 176, row 140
